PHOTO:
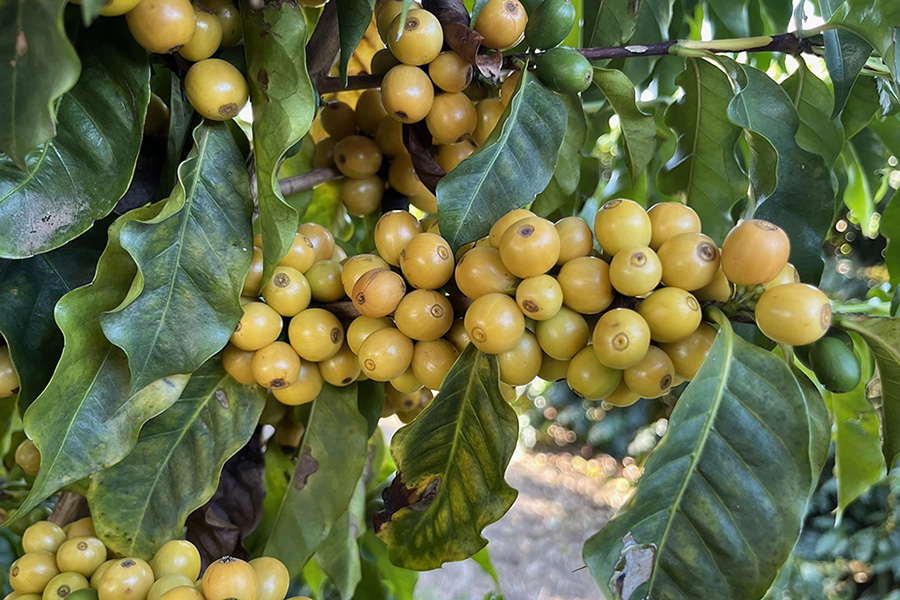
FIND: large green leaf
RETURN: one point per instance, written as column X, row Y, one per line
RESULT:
column 818, row 132
column 883, row 337
column 802, row 202
column 85, row 419
column 330, row 463
column 450, row 465
column 704, row 170
column 29, row 290
column 568, row 164
column 192, row 259
column 338, row 556
column 876, row 22
column 638, row 128
column 845, row 55
column 381, row 579
column 283, row 109
column 354, row 17
column 733, row 15
column 610, row 22
column 508, row 170
column 78, row 176
column 858, row 460
column 726, row 489
column 136, row 508
column 39, row 65
column 652, row 26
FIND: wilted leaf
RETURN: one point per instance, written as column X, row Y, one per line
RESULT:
column 508, row 170
column 726, row 489
column 883, row 337
column 802, row 202
column 279, row 467
column 39, row 66
column 283, row 109
column 450, row 465
column 79, row 175
column 186, row 446
column 568, row 164
column 454, row 19
column 638, row 128
column 417, row 140
column 85, row 419
column 330, row 462
column 704, row 170
column 845, row 56
column 30, row 289
column 192, row 259
column 818, row 132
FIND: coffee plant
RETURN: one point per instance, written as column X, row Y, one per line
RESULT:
column 233, row 237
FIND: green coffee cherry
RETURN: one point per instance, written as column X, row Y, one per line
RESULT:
column 564, row 70
column 835, row 364
column 549, row 24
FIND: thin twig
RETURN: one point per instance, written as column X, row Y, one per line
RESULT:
column 68, row 508
column 306, row 181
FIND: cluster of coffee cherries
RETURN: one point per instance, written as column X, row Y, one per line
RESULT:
column 195, row 31
column 422, row 81
column 72, row 562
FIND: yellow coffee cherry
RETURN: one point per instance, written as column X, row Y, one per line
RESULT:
column 230, row 577
column 273, row 578
column 406, row 382
column 378, row 292
column 562, row 335
column 668, row 219
column 275, row 366
column 503, row 223
column 81, row 555
column 552, row 369
column 64, row 584
column 207, row 36
column 717, row 290
column 452, row 118
column 521, row 364
column 575, row 239
column 32, row 571
column 451, row 72
column 356, row 266
column 539, row 297
column 793, row 313
column 236, row 363
column 385, row 354
column 653, row 376
column 585, row 285
column 259, row 327
column 432, row 360
column 305, row 389
column 316, row 334
column 754, row 252
column 494, row 323
column 688, row 354
column 530, row 247
column 393, row 232
column 671, row 313
column 162, row 26
column 481, row 271
column 501, row 23
column 126, row 579
column 9, row 379
column 301, row 255
column 407, row 93
column 361, row 327
column 621, row 223
column 287, row 291
column 427, row 261
column 622, row 396
column 689, row 261
column 341, row 369
column 621, row 338
column 589, row 378
column 424, row 315
column 417, row 40
column 635, row 270
column 216, row 89
column 43, row 536
column 28, row 457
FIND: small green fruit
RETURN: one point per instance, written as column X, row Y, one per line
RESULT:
column 549, row 24
column 835, row 364
column 564, row 70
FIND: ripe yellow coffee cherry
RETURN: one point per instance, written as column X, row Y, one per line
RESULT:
column 793, row 313
column 488, row 112
column 360, row 328
column 207, row 36
column 43, row 536
column 689, row 261
column 9, row 379
column 622, row 396
column 259, row 327
column 452, row 118
column 305, row 389
column 253, row 280
column 378, row 292
column 621, row 223
column 635, row 270
column 754, row 252
column 432, row 360
column 362, row 196
column 589, row 378
column 427, row 261
column 81, row 528
column 520, row 365
column 403, row 177
column 236, row 363
column 32, row 571
column 126, row 579
column 501, row 23
column 668, row 219
column 787, row 274
column 301, row 255
column 162, row 26
column 448, row 156
column 552, row 369
column 273, row 578
column 64, row 584
column 503, row 223
column 575, row 239
column 418, row 39
column 81, row 555
column 689, row 353
column 424, row 315
column 480, row 271
column 275, row 366
column 338, row 119
column 389, row 137
column 229, row 18
column 393, row 231
column 457, row 334
column 357, row 156
column 494, row 323
column 407, row 93
column 529, row 247
column 287, row 291
column 562, row 335
column 230, row 577
column 177, row 557
column 28, row 457
column 621, row 338
column 385, row 13
column 101, row 570
column 320, row 237
column 316, row 334
column 539, row 297
column 451, row 72
column 179, row 592
column 717, row 290
column 324, row 279
column 216, row 89
column 652, row 376
column 357, row 266
column 385, row 354
column 671, row 313
column 341, row 369
column 585, row 285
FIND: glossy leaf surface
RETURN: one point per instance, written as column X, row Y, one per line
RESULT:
column 451, row 462
column 845, row 55
column 726, row 489
column 638, row 128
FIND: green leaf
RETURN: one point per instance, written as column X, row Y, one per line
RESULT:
column 279, row 467
column 858, row 461
column 638, row 128
column 354, row 17
column 338, row 556
column 78, row 176
column 733, row 15
column 726, row 489
column 186, row 445
column 283, row 109
column 876, row 22
column 483, row 559
column 450, row 465
column 90, row 10
column 192, row 259
column 330, row 463
column 704, row 171
column 652, row 26
column 890, row 229
column 818, row 132
column 39, row 66
column 180, row 115
column 30, row 289
column 380, row 577
column 861, row 107
column 508, row 170
column 85, row 419
column 883, row 337
column 803, row 200
column 845, row 56
column 568, row 164
column 613, row 22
